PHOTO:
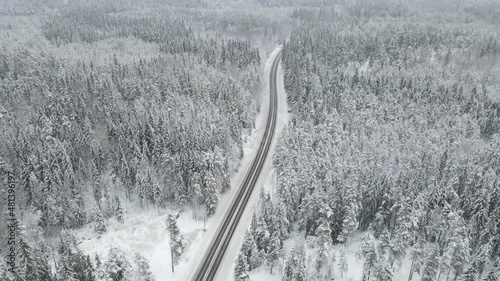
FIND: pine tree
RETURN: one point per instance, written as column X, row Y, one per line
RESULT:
column 491, row 276
column 64, row 272
column 31, row 264
column 371, row 255
column 494, row 273
column 142, row 186
column 458, row 250
column 470, row 274
column 274, row 252
column 211, row 193
column 97, row 261
column 417, row 257
column 482, row 257
column 300, row 258
column 241, row 269
column 100, row 273
column 116, row 266
column 197, row 195
column 89, row 271
column 350, row 222
column 143, row 270
column 250, row 250
column 99, row 226
column 431, row 266
column 253, row 225
column 280, row 222
column 157, row 196
column 262, row 234
column 324, row 259
column 383, row 272
column 343, row 266
column 177, row 242
column 295, row 266
column 260, row 259
column 118, row 211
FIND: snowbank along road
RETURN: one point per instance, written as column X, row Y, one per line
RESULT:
column 210, row 263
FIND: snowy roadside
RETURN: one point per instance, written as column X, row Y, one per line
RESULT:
column 144, row 231
column 225, row 272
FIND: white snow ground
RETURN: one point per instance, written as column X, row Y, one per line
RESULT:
column 144, row 231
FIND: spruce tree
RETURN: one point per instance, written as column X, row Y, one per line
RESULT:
column 116, row 266
column 143, row 269
column 118, row 211
column 343, row 266
column 211, row 193
column 99, row 225
column 470, row 274
column 250, row 250
column 350, row 222
column 262, row 234
column 274, row 252
column 431, row 266
column 383, row 272
column 177, row 242
column 324, row 259
column 157, row 196
column 241, row 269
column 494, row 273
column 371, row 255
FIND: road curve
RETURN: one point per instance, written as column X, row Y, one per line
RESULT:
column 218, row 246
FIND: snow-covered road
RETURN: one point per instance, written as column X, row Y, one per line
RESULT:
column 225, row 272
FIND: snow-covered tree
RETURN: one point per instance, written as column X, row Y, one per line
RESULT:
column 143, row 270
column 262, row 234
column 295, row 265
column 342, row 264
column 471, row 273
column 250, row 250
column 371, row 255
column 241, row 269
column 325, row 259
column 274, row 252
column 99, row 225
column 117, row 267
column 350, row 222
column 430, row 267
column 118, row 210
column 383, row 272
column 211, row 193
column 177, row 241
column 157, row 196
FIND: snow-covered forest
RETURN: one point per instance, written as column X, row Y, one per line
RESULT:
column 393, row 145
column 110, row 104
column 128, row 115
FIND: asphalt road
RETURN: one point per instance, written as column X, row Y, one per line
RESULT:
column 218, row 246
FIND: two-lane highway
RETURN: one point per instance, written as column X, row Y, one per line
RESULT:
column 219, row 244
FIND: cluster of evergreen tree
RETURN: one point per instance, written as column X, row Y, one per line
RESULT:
column 84, row 135
column 263, row 242
column 89, row 25
column 395, row 130
column 162, row 129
